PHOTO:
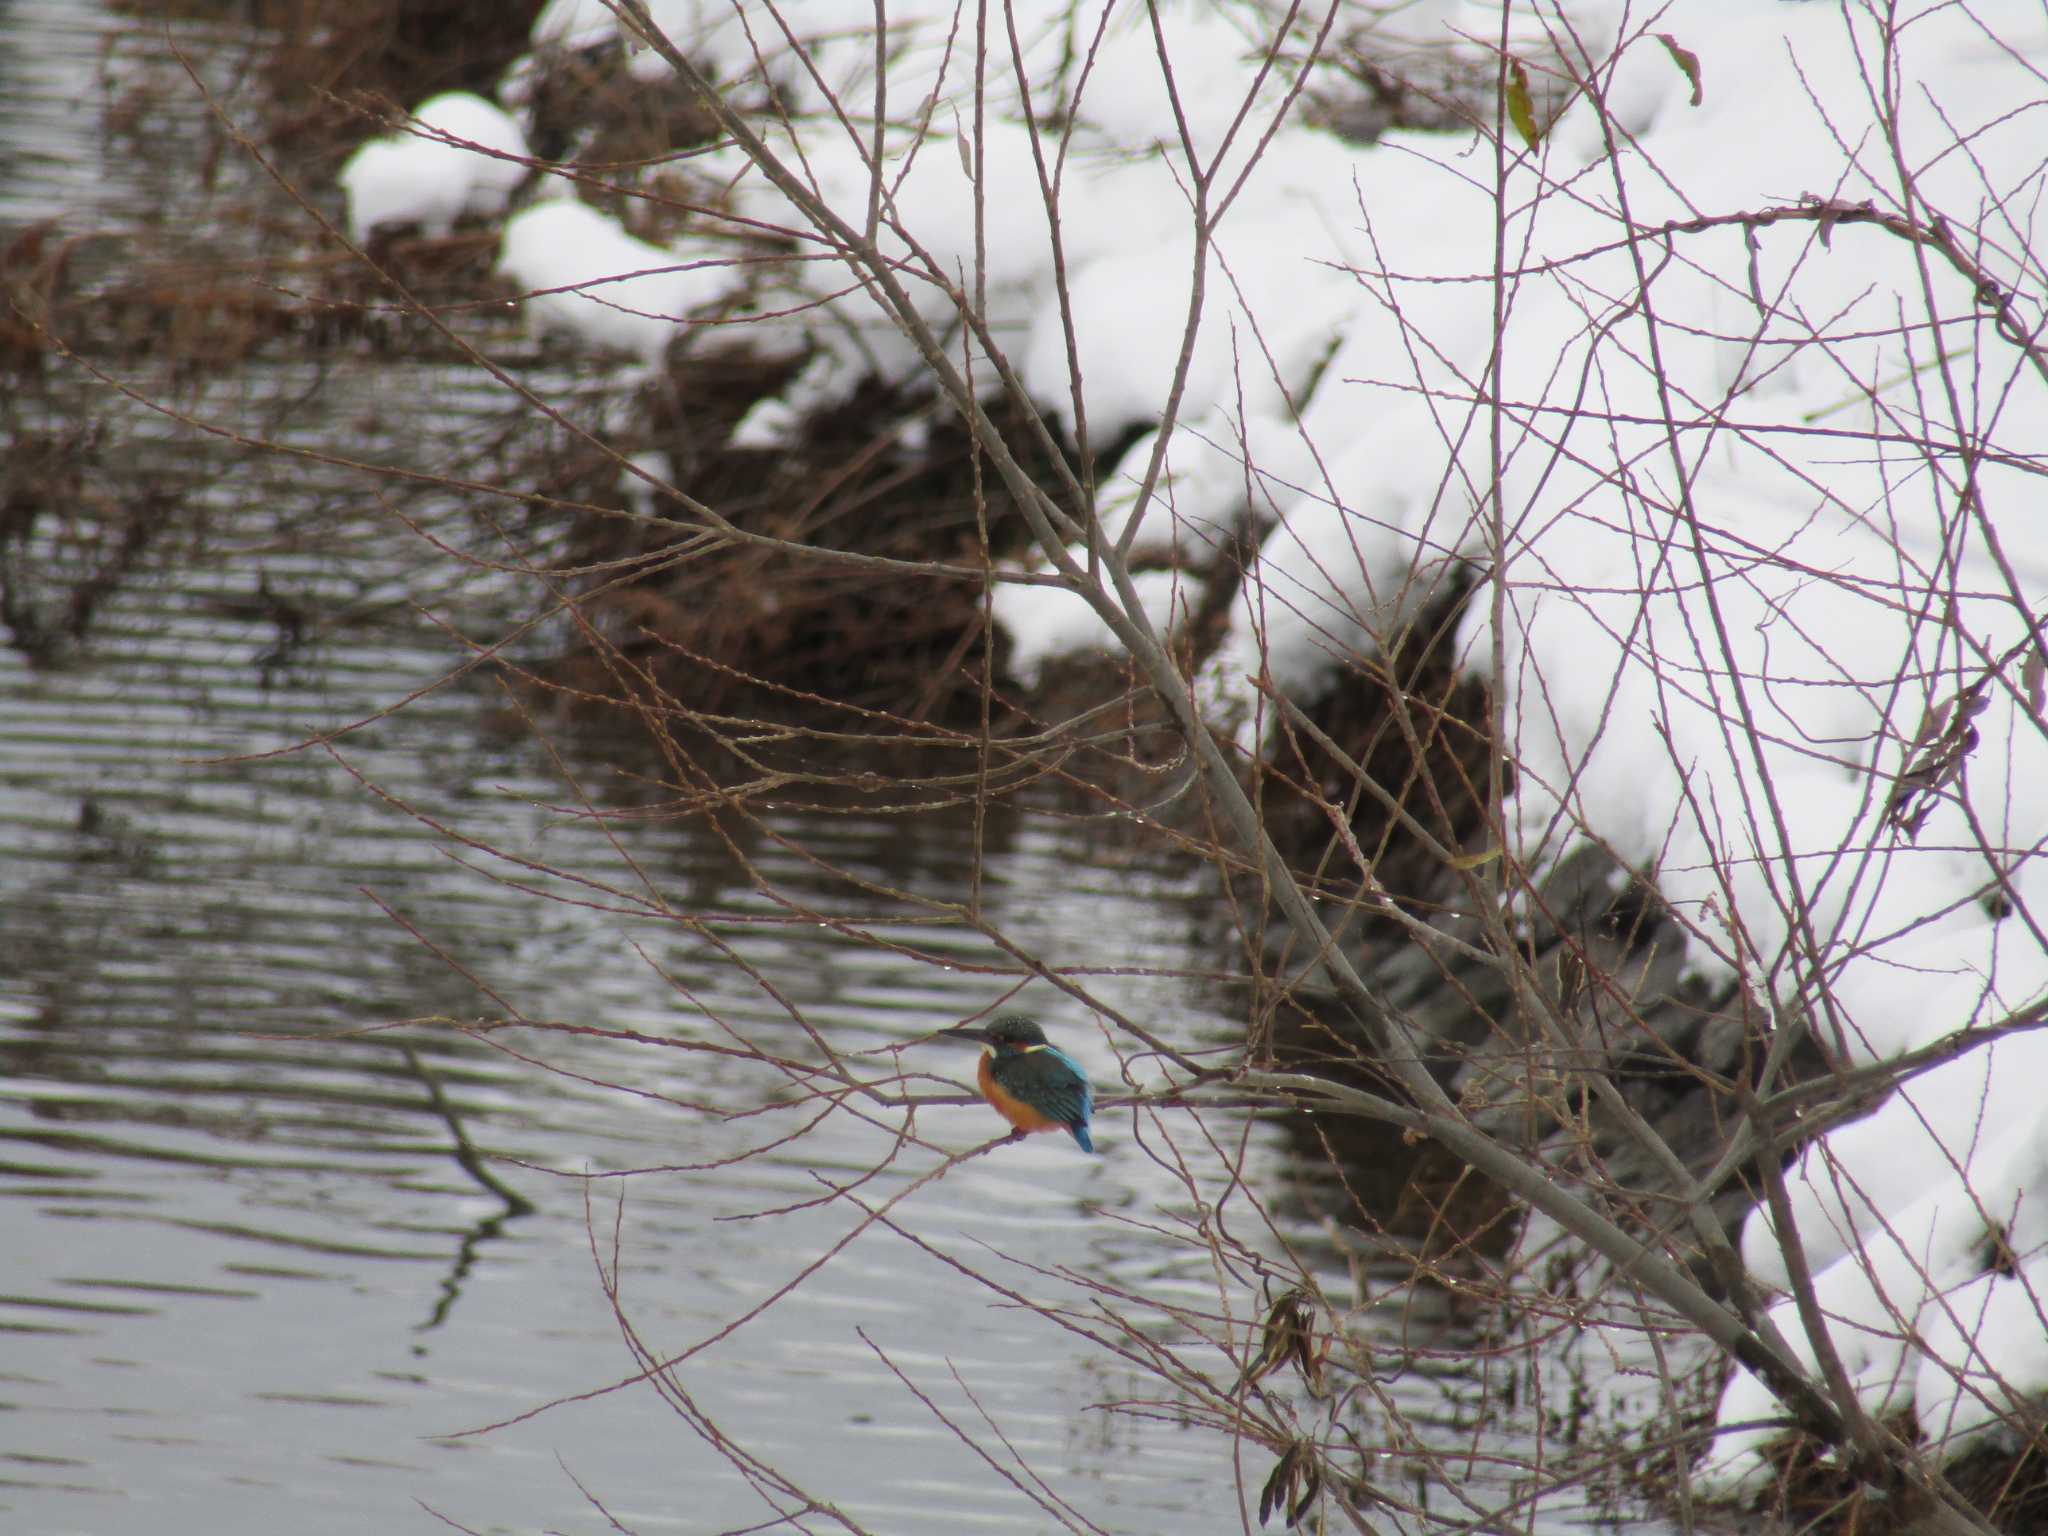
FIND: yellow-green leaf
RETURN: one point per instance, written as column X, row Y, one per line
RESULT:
column 1521, row 108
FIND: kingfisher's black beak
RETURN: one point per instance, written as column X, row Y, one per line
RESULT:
column 965, row 1032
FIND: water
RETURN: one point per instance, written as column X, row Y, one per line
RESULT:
column 245, row 1275
column 287, row 896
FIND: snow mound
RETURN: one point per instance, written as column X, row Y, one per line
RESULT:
column 463, row 156
column 586, row 277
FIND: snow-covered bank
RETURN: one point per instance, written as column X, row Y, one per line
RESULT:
column 1699, row 384
column 1743, row 576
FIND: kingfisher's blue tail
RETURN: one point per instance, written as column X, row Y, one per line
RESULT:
column 1081, row 1135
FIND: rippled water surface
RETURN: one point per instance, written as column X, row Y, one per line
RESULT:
column 247, row 1282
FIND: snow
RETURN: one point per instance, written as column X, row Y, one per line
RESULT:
column 586, row 277
column 444, row 168
column 1976, row 1342
column 1733, row 582
column 579, row 25
column 1914, row 1316
column 1048, row 623
column 1212, row 466
column 816, row 51
column 641, row 477
column 928, row 192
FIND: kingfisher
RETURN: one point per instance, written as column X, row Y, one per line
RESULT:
column 1033, row 1084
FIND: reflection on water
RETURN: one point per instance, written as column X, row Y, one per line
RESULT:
column 252, row 1274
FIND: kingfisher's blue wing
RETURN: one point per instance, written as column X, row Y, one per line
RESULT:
column 1050, row 1081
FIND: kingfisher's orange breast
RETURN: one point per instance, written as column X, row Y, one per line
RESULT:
column 1011, row 1108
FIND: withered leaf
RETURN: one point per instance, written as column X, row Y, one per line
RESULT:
column 1572, row 977
column 1940, row 747
column 1293, row 1485
column 1288, row 1335
column 1279, row 1489
column 1311, row 1485
column 1688, row 62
